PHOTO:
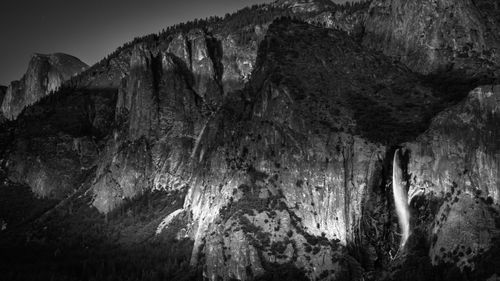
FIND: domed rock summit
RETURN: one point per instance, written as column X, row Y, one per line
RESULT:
column 45, row 74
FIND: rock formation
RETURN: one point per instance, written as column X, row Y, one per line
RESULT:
column 3, row 91
column 275, row 157
column 437, row 36
column 45, row 74
column 304, row 6
column 453, row 172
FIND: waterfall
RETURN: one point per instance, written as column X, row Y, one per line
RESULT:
column 400, row 199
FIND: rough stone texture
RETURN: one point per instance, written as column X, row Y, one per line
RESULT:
column 205, row 66
column 169, row 96
column 351, row 22
column 238, row 60
column 125, row 175
column 301, row 6
column 45, row 74
column 286, row 149
column 179, row 47
column 461, row 149
column 464, row 229
column 106, row 74
column 274, row 138
column 201, row 54
column 301, row 142
column 3, row 91
column 55, row 143
column 433, row 36
column 141, row 94
column 279, row 149
column 458, row 161
column 160, row 120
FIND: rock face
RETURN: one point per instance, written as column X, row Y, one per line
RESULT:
column 437, row 36
column 248, row 163
column 159, row 113
column 351, row 22
column 3, row 91
column 302, row 6
column 45, row 74
column 272, row 158
column 57, row 142
column 456, row 163
column 460, row 150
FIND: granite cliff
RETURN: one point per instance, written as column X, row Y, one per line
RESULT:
column 437, row 36
column 263, row 146
column 3, row 91
column 45, row 74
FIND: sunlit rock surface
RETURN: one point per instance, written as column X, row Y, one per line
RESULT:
column 460, row 151
column 269, row 139
column 304, row 5
column 45, row 74
column 3, row 91
column 264, row 150
column 464, row 229
column 351, row 22
column 159, row 113
column 456, row 164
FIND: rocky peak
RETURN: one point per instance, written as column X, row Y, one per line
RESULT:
column 45, row 74
column 205, row 66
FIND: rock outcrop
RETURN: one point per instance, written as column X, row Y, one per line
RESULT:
column 456, row 164
column 352, row 22
column 3, row 91
column 437, row 36
column 251, row 157
column 460, row 150
column 272, row 157
column 45, row 74
column 57, row 141
column 158, row 112
column 304, row 6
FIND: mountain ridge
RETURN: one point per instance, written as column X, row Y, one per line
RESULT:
column 255, row 147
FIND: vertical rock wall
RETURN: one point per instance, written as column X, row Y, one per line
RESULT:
column 433, row 36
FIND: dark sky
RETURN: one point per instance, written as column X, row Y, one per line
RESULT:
column 89, row 29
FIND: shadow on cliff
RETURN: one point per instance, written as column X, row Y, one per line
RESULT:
column 417, row 265
column 77, row 112
column 385, row 123
column 452, row 86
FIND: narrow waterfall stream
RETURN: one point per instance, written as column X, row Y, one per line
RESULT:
column 400, row 199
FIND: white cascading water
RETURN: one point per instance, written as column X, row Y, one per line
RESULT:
column 400, row 199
